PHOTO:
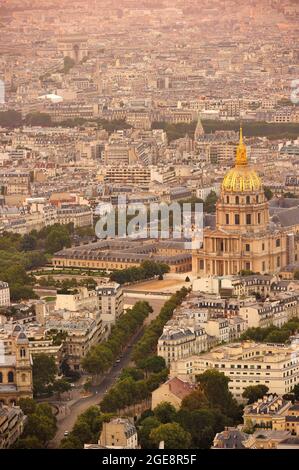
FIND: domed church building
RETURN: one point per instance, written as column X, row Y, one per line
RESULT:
column 243, row 238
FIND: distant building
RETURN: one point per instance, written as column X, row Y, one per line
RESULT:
column 4, row 294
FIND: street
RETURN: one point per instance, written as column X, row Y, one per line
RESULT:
column 67, row 423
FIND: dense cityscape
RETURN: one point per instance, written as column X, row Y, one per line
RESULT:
column 149, row 224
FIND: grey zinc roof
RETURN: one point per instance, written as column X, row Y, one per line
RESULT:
column 287, row 217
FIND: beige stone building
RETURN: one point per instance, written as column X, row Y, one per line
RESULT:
column 119, row 433
column 245, row 364
column 178, row 342
column 273, row 412
column 173, row 391
column 15, row 367
column 243, row 239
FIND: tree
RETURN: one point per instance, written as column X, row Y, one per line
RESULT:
column 71, row 442
column 10, row 119
column 82, row 432
column 173, row 436
column 38, row 119
column 61, row 386
column 153, row 364
column 43, row 371
column 195, row 400
column 268, row 193
column 210, row 202
column 146, row 427
column 215, row 387
column 254, row 392
column 165, row 412
column 28, row 243
column 41, row 424
column 295, row 391
column 57, row 239
column 29, row 442
column 20, row 292
column 68, row 64
column 27, row 405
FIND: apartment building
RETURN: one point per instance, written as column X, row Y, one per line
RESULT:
column 177, row 342
column 273, row 412
column 12, row 421
column 15, row 183
column 276, row 312
column 82, row 333
column 136, row 175
column 4, row 294
column 119, row 433
column 77, row 299
column 79, row 215
column 119, row 153
column 245, row 364
column 111, row 302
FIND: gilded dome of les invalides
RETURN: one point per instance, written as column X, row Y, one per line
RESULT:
column 241, row 177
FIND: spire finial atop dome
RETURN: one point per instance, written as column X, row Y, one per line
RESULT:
column 241, row 157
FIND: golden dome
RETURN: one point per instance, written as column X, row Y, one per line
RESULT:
column 241, row 177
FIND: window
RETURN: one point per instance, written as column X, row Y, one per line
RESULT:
column 227, row 219
column 263, row 246
column 237, row 200
column 237, row 219
column 247, row 199
column 23, row 377
column 257, row 199
column 1, row 378
column 258, row 218
column 201, row 264
column 278, row 261
column 10, row 377
column 248, row 219
column 227, row 199
column 263, row 266
column 23, row 352
column 277, row 242
column 247, row 247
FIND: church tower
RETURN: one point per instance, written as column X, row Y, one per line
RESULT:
column 23, row 366
column 242, row 239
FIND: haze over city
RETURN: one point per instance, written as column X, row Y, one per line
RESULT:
column 149, row 221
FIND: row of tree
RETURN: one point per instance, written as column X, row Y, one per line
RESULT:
column 13, row 119
column 271, row 130
column 40, row 426
column 147, row 345
column 87, row 429
column 128, row 391
column 101, row 357
column 272, row 334
column 147, row 270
